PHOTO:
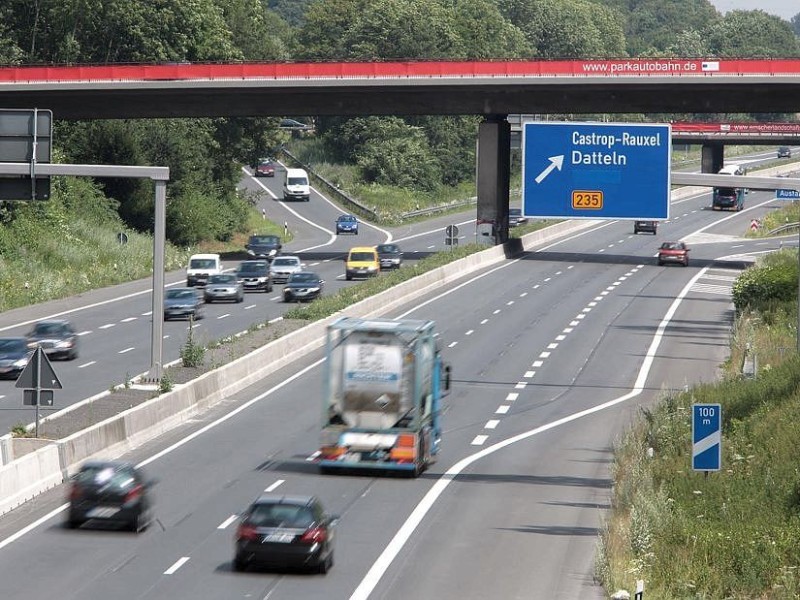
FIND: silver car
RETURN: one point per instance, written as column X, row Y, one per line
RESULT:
column 283, row 266
column 225, row 286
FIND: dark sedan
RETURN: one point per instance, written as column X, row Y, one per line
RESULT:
column 302, row 286
column 264, row 246
column 390, row 256
column 182, row 303
column 255, row 275
column 285, row 531
column 56, row 337
column 14, row 355
column 110, row 492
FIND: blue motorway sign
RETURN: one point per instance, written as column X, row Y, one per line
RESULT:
column 787, row 194
column 706, row 437
column 596, row 170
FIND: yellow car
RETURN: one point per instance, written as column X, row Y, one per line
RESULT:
column 362, row 261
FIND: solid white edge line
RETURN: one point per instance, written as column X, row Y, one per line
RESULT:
column 384, row 561
column 178, row 564
column 227, row 522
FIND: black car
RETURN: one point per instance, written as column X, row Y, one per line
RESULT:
column 389, row 255
column 264, row 246
column 784, row 152
column 304, row 285
column 285, row 531
column 648, row 226
column 14, row 356
column 515, row 217
column 255, row 275
column 56, row 337
column 182, row 303
column 115, row 492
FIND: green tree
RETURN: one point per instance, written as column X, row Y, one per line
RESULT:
column 795, row 22
column 257, row 33
column 656, row 24
column 752, row 34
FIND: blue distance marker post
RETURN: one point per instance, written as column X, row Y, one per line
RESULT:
column 596, row 170
column 706, row 437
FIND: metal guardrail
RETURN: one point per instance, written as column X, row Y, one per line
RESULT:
column 440, row 208
column 782, row 228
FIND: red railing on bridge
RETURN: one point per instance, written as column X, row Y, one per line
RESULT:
column 401, row 70
column 736, row 128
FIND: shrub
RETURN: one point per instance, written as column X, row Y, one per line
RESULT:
column 773, row 280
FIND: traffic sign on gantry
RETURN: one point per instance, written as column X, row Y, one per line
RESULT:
column 596, row 170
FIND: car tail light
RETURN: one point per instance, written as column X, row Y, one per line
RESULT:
column 134, row 494
column 75, row 492
column 315, row 535
column 246, row 532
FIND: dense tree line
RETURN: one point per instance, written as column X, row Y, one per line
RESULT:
column 418, row 152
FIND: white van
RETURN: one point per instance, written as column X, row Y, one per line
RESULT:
column 732, row 170
column 201, row 267
column 296, row 186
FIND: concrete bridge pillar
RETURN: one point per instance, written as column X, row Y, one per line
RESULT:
column 712, row 157
column 494, row 172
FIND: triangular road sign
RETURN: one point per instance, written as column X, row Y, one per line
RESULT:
column 39, row 364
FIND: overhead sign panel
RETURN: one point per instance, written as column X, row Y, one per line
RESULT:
column 596, row 170
column 787, row 194
column 706, row 437
column 25, row 137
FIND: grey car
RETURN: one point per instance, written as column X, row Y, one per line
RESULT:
column 255, row 276
column 283, row 266
column 223, row 287
column 303, row 286
column 182, row 303
column 56, row 337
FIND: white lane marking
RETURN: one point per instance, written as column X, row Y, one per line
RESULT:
column 536, row 286
column 479, row 440
column 491, row 424
column 275, row 485
column 144, row 314
column 558, row 272
column 129, row 319
column 587, row 309
column 509, row 303
column 547, row 279
column 520, row 385
column 560, row 338
column 166, row 336
column 610, row 288
column 431, row 247
column 496, row 311
column 178, row 564
column 598, row 298
column 313, row 455
column 393, row 548
column 573, row 323
column 552, row 346
column 529, row 374
column 544, row 355
column 622, row 278
column 484, row 322
column 82, row 333
column 602, row 250
column 224, row 316
column 523, row 294
column 502, row 409
column 107, row 326
column 227, row 522
column 126, row 350
column 537, row 363
column 568, row 330
column 593, row 303
column 2, row 396
column 249, row 306
column 604, row 293
column 579, row 316
column 88, row 364
column 470, row 332
column 452, row 344
column 512, row 396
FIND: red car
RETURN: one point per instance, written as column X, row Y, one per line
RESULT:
column 673, row 252
column 265, row 168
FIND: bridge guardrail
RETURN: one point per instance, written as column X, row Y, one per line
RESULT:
column 782, row 228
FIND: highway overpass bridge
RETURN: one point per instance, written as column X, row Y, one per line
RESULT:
column 493, row 89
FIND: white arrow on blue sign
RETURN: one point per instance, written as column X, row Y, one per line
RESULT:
column 596, row 170
column 706, row 437
column 787, row 194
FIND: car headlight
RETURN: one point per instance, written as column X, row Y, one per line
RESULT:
column 251, row 253
column 21, row 362
column 273, row 252
column 63, row 344
column 372, row 268
column 313, row 289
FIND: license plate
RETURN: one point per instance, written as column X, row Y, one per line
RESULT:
column 280, row 538
column 102, row 512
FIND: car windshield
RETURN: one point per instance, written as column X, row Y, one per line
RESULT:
column 726, row 191
column 672, row 246
column 303, row 278
column 48, row 329
column 201, row 263
column 12, row 345
column 222, row 279
column 387, row 248
column 362, row 256
column 347, row 219
column 297, row 181
column 183, row 294
column 281, row 515
column 106, row 476
column 252, row 267
column 264, row 239
column 285, row 262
